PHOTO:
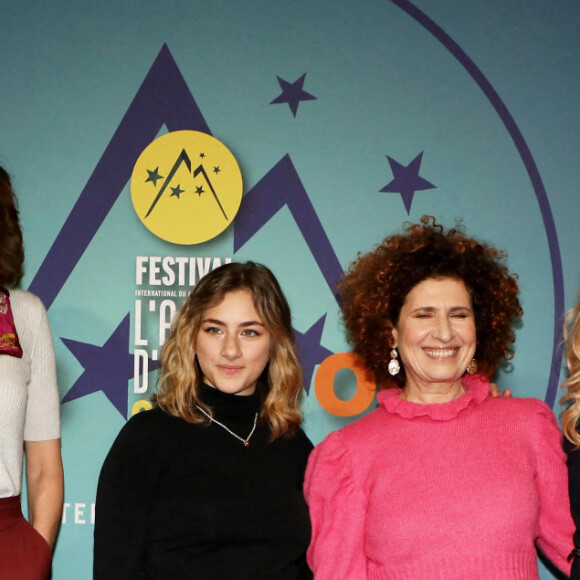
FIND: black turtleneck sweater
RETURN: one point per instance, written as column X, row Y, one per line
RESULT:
column 181, row 501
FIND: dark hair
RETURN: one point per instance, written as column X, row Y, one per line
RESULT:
column 376, row 285
column 11, row 247
column 180, row 375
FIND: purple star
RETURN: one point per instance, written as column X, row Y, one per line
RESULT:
column 176, row 191
column 292, row 94
column 310, row 350
column 108, row 368
column 407, row 180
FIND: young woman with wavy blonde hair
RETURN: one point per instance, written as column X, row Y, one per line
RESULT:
column 282, row 381
column 571, row 424
column 209, row 483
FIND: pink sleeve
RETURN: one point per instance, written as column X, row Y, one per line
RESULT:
column 556, row 527
column 337, row 510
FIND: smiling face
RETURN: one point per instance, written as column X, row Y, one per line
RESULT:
column 436, row 336
column 233, row 345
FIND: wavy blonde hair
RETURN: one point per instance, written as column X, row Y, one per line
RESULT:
column 571, row 416
column 281, row 382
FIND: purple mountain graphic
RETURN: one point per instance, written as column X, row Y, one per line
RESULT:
column 163, row 99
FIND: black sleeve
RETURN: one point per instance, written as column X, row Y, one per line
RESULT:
column 125, row 491
column 574, row 488
column 306, row 448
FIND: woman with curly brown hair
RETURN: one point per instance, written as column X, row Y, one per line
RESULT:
column 442, row 480
column 571, row 424
column 209, row 483
column 29, row 413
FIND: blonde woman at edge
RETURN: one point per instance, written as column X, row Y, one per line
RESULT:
column 571, row 425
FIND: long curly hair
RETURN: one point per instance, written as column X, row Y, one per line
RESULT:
column 281, row 382
column 571, row 415
column 376, row 285
column 11, row 246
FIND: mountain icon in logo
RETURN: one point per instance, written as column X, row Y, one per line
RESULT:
column 186, row 187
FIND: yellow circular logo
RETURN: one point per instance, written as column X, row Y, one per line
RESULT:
column 186, row 187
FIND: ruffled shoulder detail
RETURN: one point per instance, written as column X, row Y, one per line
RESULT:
column 477, row 390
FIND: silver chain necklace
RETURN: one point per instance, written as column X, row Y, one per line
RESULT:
column 245, row 441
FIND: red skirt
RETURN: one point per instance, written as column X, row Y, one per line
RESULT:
column 24, row 553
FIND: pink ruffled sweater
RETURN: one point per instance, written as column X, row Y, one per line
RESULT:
column 449, row 491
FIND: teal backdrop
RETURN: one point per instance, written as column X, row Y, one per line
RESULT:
column 346, row 118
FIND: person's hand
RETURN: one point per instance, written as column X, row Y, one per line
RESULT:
column 494, row 391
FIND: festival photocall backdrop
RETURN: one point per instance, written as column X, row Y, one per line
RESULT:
column 151, row 142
